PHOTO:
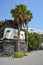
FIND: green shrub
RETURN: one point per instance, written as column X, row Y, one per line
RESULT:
column 1, row 22
column 34, row 41
column 18, row 54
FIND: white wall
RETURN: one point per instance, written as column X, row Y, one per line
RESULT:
column 11, row 33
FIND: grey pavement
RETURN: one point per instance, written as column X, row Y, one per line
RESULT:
column 33, row 58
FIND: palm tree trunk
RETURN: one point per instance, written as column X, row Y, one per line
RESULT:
column 18, row 44
column 27, row 37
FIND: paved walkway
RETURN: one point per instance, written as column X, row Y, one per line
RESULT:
column 33, row 58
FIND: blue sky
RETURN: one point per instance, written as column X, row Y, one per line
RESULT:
column 35, row 6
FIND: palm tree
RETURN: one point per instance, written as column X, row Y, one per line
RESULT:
column 21, row 16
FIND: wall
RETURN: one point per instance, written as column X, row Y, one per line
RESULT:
column 8, row 47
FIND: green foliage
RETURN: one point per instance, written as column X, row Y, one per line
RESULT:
column 21, row 13
column 34, row 40
column 1, row 22
column 41, row 35
column 18, row 54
